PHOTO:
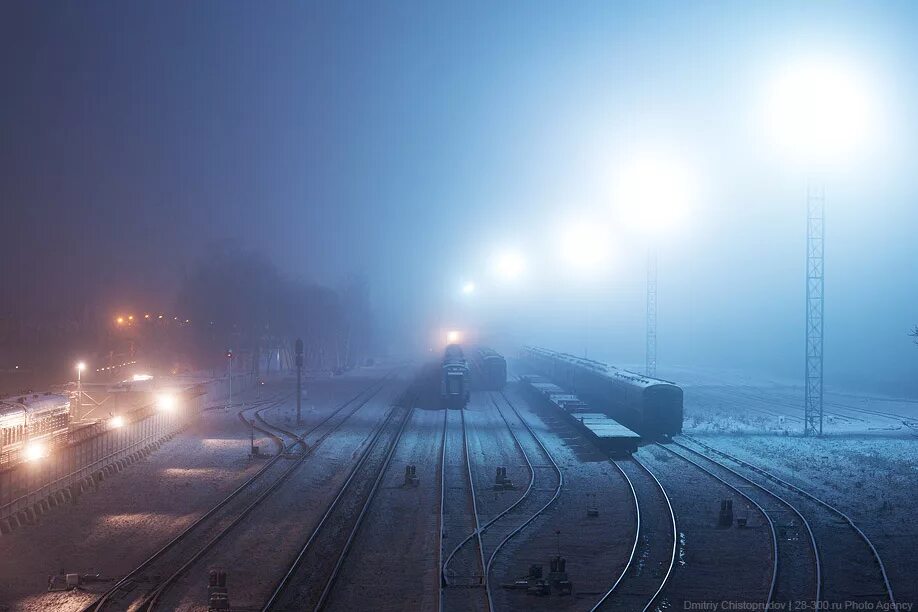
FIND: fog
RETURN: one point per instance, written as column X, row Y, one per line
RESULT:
column 409, row 143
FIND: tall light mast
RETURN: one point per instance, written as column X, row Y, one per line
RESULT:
column 815, row 304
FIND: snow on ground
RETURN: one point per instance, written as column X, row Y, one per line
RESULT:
column 596, row 548
column 156, row 497
column 406, row 515
column 872, row 479
column 271, row 537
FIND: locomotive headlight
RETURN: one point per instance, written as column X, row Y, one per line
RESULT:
column 453, row 336
column 165, row 402
column 34, row 451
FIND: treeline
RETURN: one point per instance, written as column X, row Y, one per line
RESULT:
column 239, row 299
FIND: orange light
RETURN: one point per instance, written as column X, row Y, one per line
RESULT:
column 120, row 320
column 130, row 317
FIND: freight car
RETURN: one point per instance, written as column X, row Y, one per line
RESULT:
column 649, row 406
column 492, row 368
column 31, row 424
column 454, row 378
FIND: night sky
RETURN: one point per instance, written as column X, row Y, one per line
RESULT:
column 406, row 141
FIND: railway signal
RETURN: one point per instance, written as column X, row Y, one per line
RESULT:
column 299, row 378
column 229, row 376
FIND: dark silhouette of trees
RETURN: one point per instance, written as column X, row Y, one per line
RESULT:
column 239, row 299
column 914, row 334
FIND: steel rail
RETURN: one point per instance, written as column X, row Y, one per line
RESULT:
column 102, row 602
column 545, row 506
column 384, row 467
column 476, row 532
column 285, row 582
column 813, row 545
column 818, row 500
column 152, row 599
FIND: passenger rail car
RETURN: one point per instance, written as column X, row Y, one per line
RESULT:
column 31, row 418
column 454, row 378
column 492, row 368
column 649, row 406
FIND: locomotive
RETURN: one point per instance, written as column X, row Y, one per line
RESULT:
column 492, row 368
column 649, row 406
column 31, row 423
column 454, row 378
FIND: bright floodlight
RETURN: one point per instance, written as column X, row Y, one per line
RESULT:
column 80, row 366
column 653, row 193
column 165, row 402
column 509, row 265
column 584, row 246
column 34, row 451
column 453, row 336
column 468, row 288
column 819, row 111
column 117, row 421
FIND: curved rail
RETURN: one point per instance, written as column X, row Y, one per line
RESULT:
column 545, row 506
column 152, row 600
column 784, row 502
column 820, row 501
column 675, row 536
column 769, row 600
column 101, row 603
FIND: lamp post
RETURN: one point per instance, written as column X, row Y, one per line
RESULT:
column 819, row 113
column 654, row 192
column 80, row 366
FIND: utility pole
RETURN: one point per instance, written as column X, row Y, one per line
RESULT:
column 815, row 305
column 299, row 378
column 650, row 351
column 229, row 377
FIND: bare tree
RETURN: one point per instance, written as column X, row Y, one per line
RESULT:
column 914, row 334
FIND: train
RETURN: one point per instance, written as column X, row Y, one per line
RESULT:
column 491, row 369
column 455, row 387
column 29, row 423
column 648, row 406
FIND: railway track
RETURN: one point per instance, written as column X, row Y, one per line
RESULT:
column 653, row 553
column 797, row 566
column 851, row 569
column 284, row 439
column 143, row 586
column 545, row 485
column 489, row 538
column 308, row 581
column 463, row 569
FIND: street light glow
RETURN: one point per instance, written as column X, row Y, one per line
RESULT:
column 117, row 421
column 653, row 193
column 80, row 366
column 165, row 402
column 34, row 451
column 509, row 265
column 584, row 246
column 819, row 111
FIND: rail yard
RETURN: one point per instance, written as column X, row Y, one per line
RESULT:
column 392, row 492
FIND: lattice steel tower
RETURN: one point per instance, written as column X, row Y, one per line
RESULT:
column 650, row 351
column 815, row 303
